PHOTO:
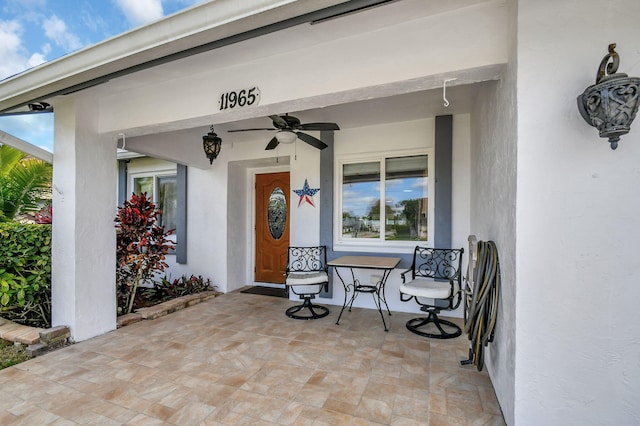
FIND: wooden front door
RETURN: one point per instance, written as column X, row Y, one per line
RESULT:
column 272, row 226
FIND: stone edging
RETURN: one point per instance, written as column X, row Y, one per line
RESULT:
column 164, row 308
column 19, row 333
column 40, row 340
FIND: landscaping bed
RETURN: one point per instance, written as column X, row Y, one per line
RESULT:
column 11, row 354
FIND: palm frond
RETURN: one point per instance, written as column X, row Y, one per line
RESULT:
column 25, row 188
column 9, row 158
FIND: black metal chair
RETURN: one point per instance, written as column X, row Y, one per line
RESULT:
column 306, row 276
column 434, row 274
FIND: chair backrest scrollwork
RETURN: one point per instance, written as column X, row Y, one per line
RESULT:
column 307, row 259
column 437, row 263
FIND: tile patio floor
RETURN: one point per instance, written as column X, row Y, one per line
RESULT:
column 238, row 360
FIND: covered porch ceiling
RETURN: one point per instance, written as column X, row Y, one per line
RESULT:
column 401, row 107
column 396, row 101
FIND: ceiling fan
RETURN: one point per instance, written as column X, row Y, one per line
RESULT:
column 288, row 130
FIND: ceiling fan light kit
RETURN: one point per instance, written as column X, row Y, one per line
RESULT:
column 288, row 130
column 286, row 136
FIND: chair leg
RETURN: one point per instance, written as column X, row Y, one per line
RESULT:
column 414, row 324
column 316, row 311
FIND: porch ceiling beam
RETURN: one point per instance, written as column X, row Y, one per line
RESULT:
column 434, row 82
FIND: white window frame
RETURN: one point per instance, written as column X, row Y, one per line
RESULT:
column 155, row 175
column 380, row 245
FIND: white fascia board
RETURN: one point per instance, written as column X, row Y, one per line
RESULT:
column 123, row 154
column 192, row 27
column 26, row 147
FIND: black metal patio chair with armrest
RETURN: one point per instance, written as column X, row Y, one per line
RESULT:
column 306, row 276
column 434, row 274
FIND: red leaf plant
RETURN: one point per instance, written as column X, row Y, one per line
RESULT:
column 141, row 246
column 43, row 217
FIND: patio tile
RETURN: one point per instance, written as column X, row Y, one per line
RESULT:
column 143, row 420
column 238, row 360
column 340, row 406
column 374, row 410
column 115, row 412
column 191, row 414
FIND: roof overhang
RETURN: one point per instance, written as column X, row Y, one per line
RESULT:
column 201, row 28
column 26, row 147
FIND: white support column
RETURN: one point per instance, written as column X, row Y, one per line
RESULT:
column 84, row 194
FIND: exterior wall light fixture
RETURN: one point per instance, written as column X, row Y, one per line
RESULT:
column 211, row 144
column 611, row 104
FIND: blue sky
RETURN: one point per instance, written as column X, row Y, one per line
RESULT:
column 36, row 31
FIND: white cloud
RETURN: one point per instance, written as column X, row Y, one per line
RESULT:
column 36, row 59
column 140, row 12
column 189, row 3
column 15, row 57
column 56, row 30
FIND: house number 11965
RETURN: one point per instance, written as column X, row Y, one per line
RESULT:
column 239, row 99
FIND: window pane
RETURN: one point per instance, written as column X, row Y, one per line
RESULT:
column 143, row 184
column 167, row 202
column 406, row 196
column 361, row 200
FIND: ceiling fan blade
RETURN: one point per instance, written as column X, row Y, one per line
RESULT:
column 250, row 130
column 319, row 126
column 273, row 143
column 317, row 143
column 279, row 122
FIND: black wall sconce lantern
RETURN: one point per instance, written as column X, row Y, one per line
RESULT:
column 211, row 144
column 611, row 104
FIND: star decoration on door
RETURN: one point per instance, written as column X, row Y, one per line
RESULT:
column 306, row 193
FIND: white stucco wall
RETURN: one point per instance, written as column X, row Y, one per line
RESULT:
column 407, row 136
column 493, row 199
column 578, row 216
column 239, row 224
column 221, row 206
column 305, row 218
column 83, row 235
column 493, row 211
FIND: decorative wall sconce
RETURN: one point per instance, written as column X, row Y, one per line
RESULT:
column 211, row 144
column 611, row 104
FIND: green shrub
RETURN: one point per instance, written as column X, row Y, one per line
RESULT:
column 25, row 273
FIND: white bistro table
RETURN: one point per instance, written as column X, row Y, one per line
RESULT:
column 354, row 286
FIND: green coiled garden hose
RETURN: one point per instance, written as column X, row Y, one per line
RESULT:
column 481, row 294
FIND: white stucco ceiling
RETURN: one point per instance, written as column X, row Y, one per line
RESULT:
column 402, row 101
column 389, row 109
